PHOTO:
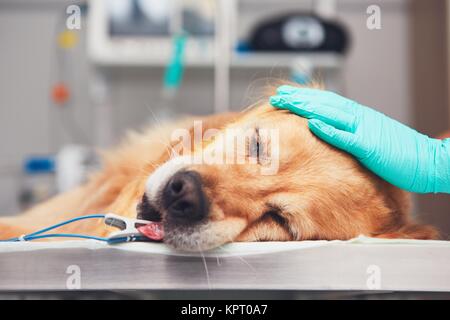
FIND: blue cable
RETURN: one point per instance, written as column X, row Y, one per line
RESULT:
column 37, row 234
column 61, row 235
column 90, row 216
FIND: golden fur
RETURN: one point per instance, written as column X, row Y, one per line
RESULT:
column 320, row 192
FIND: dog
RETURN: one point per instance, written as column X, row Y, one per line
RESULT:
column 315, row 191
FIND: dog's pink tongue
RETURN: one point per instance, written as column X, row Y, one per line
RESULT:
column 153, row 230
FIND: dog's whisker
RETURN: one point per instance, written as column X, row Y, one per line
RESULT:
column 206, row 268
column 169, row 149
column 158, row 121
column 240, row 258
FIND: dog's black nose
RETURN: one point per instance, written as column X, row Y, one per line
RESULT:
column 184, row 199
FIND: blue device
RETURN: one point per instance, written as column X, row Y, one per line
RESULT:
column 128, row 230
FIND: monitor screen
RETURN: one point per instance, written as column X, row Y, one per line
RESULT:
column 153, row 17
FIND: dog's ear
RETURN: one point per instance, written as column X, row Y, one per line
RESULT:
column 413, row 231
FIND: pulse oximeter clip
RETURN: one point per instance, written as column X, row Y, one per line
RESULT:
column 128, row 229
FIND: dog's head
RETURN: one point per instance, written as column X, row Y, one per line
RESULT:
column 272, row 180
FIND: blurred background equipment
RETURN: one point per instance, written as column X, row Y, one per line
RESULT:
column 73, row 165
column 300, row 33
column 36, row 181
column 44, row 176
column 64, row 93
column 203, row 34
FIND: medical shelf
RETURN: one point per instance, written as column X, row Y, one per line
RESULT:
column 241, row 60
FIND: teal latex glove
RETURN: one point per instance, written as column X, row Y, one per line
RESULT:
column 395, row 152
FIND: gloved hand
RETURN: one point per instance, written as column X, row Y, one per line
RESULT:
column 395, row 152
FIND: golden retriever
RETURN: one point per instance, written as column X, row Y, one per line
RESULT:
column 315, row 191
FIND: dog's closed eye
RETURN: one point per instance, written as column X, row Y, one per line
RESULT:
column 258, row 146
column 255, row 145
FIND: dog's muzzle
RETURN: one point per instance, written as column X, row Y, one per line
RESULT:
column 181, row 201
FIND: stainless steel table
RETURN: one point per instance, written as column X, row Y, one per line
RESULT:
column 357, row 265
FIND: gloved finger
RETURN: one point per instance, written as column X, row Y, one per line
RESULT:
column 332, row 100
column 332, row 116
column 340, row 139
column 311, row 92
